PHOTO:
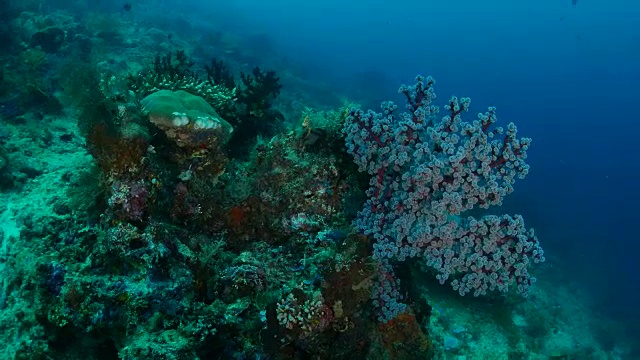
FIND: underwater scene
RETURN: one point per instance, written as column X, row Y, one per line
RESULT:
column 283, row 180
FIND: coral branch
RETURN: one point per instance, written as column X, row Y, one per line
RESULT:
column 426, row 173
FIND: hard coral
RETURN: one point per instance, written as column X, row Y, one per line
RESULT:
column 168, row 75
column 186, row 119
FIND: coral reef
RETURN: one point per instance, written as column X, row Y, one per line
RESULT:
column 153, row 209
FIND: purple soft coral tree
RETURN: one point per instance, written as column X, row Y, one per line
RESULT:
column 426, row 174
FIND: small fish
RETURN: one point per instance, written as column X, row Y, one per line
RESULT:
column 297, row 268
column 574, row 2
column 126, row 7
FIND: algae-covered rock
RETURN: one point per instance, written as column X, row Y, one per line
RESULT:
column 187, row 119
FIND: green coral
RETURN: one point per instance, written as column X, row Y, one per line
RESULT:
column 182, row 109
column 217, row 96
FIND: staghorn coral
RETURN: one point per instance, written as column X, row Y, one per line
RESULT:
column 174, row 76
